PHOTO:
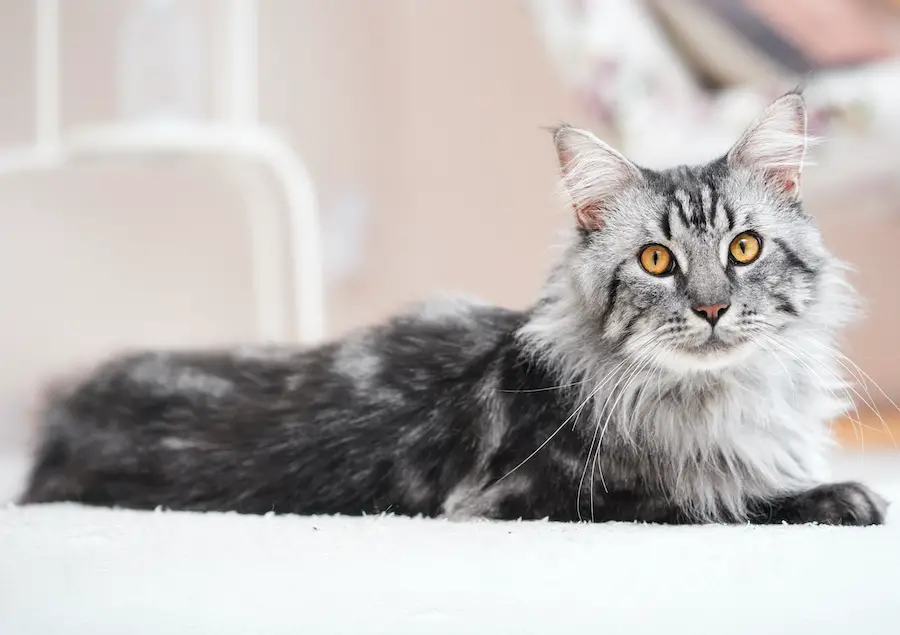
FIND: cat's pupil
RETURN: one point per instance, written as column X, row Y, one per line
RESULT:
column 655, row 257
column 743, row 245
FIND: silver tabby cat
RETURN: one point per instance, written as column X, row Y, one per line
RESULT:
column 678, row 367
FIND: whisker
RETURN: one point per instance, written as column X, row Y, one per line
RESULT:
column 559, row 387
column 634, row 376
column 787, row 373
column 573, row 416
column 643, row 362
column 644, row 339
column 870, row 403
column 633, row 364
column 553, row 434
column 858, row 425
column 836, row 352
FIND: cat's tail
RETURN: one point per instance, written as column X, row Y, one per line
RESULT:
column 60, row 471
column 89, row 449
column 54, row 475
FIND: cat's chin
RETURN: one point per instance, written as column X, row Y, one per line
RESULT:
column 713, row 355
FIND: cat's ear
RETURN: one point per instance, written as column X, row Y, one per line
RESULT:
column 592, row 174
column 775, row 145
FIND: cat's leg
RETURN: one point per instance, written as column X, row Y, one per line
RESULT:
column 846, row 503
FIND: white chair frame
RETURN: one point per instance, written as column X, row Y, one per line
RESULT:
column 235, row 142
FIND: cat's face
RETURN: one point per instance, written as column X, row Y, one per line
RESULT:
column 696, row 268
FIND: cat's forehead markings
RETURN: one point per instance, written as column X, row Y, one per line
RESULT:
column 681, row 213
column 684, row 202
column 706, row 199
column 693, row 206
column 723, row 213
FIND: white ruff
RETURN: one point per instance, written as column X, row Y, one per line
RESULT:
column 711, row 440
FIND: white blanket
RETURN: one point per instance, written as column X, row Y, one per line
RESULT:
column 70, row 569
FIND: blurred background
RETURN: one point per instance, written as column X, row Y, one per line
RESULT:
column 185, row 173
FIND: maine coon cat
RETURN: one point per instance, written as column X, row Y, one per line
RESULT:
column 676, row 368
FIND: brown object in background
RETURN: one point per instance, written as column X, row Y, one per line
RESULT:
column 731, row 42
column 868, row 432
column 831, row 32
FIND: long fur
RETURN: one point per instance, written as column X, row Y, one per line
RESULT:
column 609, row 399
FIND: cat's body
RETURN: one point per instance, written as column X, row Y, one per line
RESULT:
column 699, row 393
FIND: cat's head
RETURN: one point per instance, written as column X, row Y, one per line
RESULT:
column 697, row 266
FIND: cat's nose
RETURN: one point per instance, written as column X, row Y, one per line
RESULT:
column 711, row 312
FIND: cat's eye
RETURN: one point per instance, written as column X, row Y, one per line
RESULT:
column 657, row 260
column 745, row 248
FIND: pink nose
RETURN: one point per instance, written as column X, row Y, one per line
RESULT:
column 711, row 312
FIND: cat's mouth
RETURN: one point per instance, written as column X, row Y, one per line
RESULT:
column 714, row 344
column 712, row 353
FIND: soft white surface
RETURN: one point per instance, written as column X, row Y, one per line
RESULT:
column 67, row 569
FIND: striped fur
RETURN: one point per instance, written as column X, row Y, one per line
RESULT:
column 610, row 399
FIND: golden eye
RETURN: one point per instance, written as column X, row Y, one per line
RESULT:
column 657, row 260
column 745, row 248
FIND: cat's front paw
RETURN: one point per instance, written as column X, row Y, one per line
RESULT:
column 836, row 504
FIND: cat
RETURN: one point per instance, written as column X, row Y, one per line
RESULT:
column 677, row 368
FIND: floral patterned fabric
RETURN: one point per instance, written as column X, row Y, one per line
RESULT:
column 632, row 80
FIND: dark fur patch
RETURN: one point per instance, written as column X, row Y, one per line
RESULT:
column 611, row 296
column 440, row 411
column 793, row 260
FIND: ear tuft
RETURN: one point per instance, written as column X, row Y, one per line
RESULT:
column 592, row 173
column 776, row 144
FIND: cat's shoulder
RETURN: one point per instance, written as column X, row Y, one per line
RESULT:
column 458, row 310
column 456, row 325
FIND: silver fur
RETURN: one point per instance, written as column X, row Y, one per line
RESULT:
column 617, row 396
column 744, row 423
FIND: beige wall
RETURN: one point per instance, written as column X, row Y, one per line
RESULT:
column 431, row 109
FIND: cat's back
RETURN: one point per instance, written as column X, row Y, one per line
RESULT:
column 190, row 417
column 432, row 341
